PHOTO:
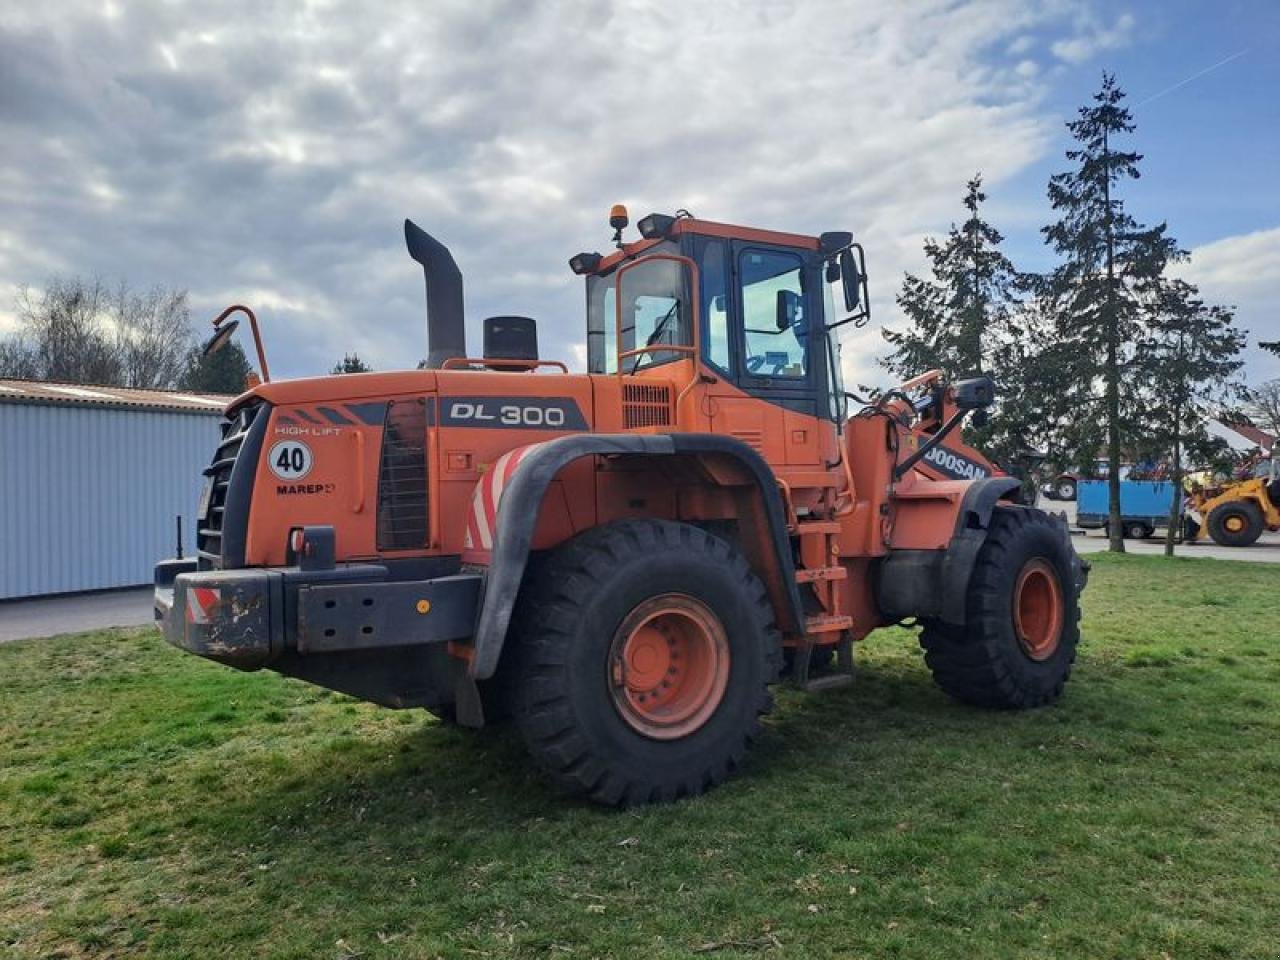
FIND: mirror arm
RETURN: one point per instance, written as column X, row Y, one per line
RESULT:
column 954, row 421
column 257, row 336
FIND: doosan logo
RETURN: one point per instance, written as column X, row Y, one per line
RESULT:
column 955, row 465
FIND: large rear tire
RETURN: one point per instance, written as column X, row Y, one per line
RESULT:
column 1236, row 524
column 643, row 653
column 1022, row 617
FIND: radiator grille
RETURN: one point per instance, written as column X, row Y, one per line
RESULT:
column 402, row 477
column 212, row 519
column 646, row 405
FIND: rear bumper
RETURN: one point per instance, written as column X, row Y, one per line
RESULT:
column 250, row 618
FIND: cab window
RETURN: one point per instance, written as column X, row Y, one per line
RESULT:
column 713, row 271
column 775, row 328
column 655, row 311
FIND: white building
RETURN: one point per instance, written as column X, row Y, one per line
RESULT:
column 92, row 481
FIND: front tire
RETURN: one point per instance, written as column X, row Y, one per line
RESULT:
column 1236, row 524
column 643, row 655
column 1022, row 617
column 1066, row 488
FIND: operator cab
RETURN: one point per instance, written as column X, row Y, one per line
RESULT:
column 755, row 307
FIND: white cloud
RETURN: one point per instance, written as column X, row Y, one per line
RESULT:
column 1244, row 271
column 270, row 153
column 1094, row 37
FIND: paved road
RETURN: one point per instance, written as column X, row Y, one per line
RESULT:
column 1266, row 550
column 47, row 616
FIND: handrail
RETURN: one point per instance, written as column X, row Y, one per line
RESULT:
column 460, row 363
column 921, row 380
column 656, row 348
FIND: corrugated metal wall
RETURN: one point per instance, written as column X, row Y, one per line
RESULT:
column 88, row 495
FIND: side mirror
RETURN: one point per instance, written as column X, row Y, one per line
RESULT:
column 834, row 240
column 788, row 309
column 851, row 280
column 977, row 393
column 219, row 338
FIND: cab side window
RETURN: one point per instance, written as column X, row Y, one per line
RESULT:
column 774, row 323
column 713, row 270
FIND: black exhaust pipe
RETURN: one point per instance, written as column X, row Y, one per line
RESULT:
column 446, row 327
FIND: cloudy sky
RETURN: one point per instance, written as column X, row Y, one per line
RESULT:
column 268, row 152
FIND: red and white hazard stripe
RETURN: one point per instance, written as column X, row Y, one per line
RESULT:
column 200, row 603
column 482, row 518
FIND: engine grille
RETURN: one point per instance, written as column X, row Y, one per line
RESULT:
column 646, row 405
column 402, row 477
column 212, row 517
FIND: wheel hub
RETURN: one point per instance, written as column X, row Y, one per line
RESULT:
column 669, row 666
column 1234, row 524
column 1038, row 609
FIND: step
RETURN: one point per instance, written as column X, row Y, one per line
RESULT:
column 814, row 574
column 827, row 623
column 817, row 526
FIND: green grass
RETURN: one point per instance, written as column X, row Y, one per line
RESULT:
column 153, row 803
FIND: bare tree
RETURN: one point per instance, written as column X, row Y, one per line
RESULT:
column 78, row 331
column 1262, row 406
column 153, row 334
column 63, row 333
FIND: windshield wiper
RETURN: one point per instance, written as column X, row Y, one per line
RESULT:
column 653, row 337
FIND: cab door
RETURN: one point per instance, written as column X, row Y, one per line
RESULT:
column 773, row 302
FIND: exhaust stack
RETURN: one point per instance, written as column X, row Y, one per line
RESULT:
column 446, row 328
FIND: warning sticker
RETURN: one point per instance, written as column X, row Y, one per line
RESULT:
column 290, row 460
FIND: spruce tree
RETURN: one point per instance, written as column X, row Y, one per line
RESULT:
column 965, row 320
column 1110, row 267
column 351, row 363
column 1188, row 357
column 225, row 370
column 958, row 315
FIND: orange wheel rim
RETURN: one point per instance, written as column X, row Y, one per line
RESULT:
column 668, row 666
column 1038, row 609
column 1234, row 524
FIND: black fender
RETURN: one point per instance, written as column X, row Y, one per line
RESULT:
column 967, row 539
column 522, row 501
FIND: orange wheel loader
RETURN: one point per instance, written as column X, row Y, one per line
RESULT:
column 623, row 562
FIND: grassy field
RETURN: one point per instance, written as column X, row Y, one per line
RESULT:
column 152, row 803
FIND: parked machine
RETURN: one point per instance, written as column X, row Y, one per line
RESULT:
column 624, row 561
column 1236, row 514
column 1066, row 485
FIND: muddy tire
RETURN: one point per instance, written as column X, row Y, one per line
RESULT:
column 642, row 656
column 1236, row 524
column 1022, row 618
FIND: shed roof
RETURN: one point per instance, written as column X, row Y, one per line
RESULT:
column 93, row 395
